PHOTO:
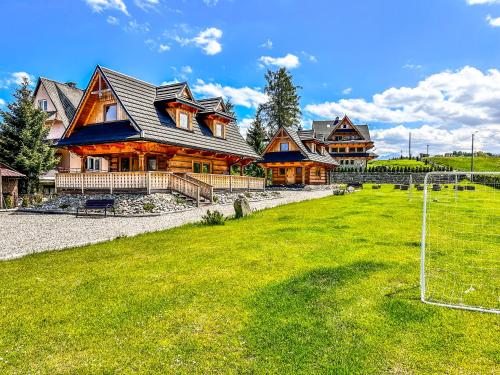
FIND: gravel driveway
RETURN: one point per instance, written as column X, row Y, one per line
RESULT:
column 23, row 234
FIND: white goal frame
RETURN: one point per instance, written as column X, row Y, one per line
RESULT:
column 470, row 176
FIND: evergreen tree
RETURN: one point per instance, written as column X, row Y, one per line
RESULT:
column 282, row 108
column 23, row 137
column 256, row 135
column 230, row 108
column 256, row 138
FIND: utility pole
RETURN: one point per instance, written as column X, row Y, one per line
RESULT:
column 472, row 157
column 409, row 145
column 428, row 150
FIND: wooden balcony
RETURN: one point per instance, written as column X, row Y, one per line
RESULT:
column 192, row 185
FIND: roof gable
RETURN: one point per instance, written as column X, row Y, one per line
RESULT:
column 150, row 118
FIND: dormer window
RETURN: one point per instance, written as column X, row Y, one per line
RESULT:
column 219, row 130
column 110, row 113
column 42, row 104
column 183, row 120
column 284, row 146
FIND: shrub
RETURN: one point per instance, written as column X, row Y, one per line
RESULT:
column 148, row 207
column 213, row 218
column 64, row 206
column 9, row 201
column 215, row 199
column 248, row 195
column 179, row 200
column 26, row 201
column 38, row 199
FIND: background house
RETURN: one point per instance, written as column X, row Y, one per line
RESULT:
column 297, row 157
column 348, row 143
column 60, row 101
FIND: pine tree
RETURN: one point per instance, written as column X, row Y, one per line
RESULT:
column 230, row 108
column 282, row 108
column 256, row 138
column 256, row 135
column 23, row 135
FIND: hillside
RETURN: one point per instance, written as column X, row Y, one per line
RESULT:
column 396, row 163
column 462, row 163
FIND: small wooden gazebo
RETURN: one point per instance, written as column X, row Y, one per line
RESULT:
column 9, row 183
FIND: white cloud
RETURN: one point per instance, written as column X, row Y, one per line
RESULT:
column 163, row 48
column 2, row 103
column 186, row 69
column 480, row 2
column 452, row 103
column 347, row 91
column 101, row 5
column 147, row 5
column 112, row 20
column 412, row 66
column 467, row 96
column 136, row 27
column 207, row 40
column 289, row 61
column 267, row 44
column 16, row 78
column 211, row 2
column 243, row 96
column 495, row 22
column 244, row 125
column 309, row 57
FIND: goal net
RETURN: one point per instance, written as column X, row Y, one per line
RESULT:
column 460, row 256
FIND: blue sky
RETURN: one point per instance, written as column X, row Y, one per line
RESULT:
column 429, row 66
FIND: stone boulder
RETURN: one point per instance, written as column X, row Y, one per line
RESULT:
column 241, row 206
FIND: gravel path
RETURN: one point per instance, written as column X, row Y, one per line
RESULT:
column 23, row 234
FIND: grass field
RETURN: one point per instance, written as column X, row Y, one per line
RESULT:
column 396, row 163
column 462, row 163
column 325, row 286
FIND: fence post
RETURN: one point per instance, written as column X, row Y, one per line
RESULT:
column 248, row 183
column 230, row 183
column 197, row 196
column 148, row 182
column 83, row 181
column 55, row 184
column 111, row 180
column 409, row 188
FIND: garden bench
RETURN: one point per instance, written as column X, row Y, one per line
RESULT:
column 376, row 186
column 98, row 204
column 436, row 187
column 355, row 185
column 404, row 187
column 397, row 186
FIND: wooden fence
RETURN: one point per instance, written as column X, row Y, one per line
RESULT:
column 230, row 182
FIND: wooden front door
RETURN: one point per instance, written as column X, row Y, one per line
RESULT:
column 290, row 176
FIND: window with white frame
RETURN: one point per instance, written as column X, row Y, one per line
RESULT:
column 93, row 164
column 219, row 130
column 183, row 120
column 284, row 146
column 42, row 104
column 110, row 113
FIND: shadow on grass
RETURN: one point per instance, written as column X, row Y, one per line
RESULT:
column 298, row 325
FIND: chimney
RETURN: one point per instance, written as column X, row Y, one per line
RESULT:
column 337, row 119
column 71, row 84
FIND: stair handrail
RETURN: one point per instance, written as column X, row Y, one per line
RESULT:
column 206, row 190
column 188, row 188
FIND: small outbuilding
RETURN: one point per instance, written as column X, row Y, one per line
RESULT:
column 9, row 185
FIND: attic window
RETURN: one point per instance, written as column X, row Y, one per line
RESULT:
column 284, row 146
column 110, row 112
column 183, row 120
column 219, row 130
column 42, row 104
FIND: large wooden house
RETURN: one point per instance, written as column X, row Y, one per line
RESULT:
column 348, row 143
column 297, row 157
column 59, row 100
column 137, row 127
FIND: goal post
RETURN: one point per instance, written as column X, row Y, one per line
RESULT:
column 460, row 246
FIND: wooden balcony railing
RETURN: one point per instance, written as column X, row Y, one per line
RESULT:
column 230, row 182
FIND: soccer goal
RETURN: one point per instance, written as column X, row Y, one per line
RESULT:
column 460, row 254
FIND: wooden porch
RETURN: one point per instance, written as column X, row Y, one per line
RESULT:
column 192, row 185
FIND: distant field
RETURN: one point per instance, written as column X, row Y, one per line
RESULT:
column 462, row 163
column 396, row 163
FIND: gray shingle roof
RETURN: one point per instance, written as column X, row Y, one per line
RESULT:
column 138, row 99
column 210, row 104
column 312, row 156
column 64, row 97
column 325, row 128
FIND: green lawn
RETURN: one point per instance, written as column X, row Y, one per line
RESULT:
column 462, row 163
column 396, row 163
column 325, row 286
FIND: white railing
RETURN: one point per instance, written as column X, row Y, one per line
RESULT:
column 230, row 182
column 113, row 181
